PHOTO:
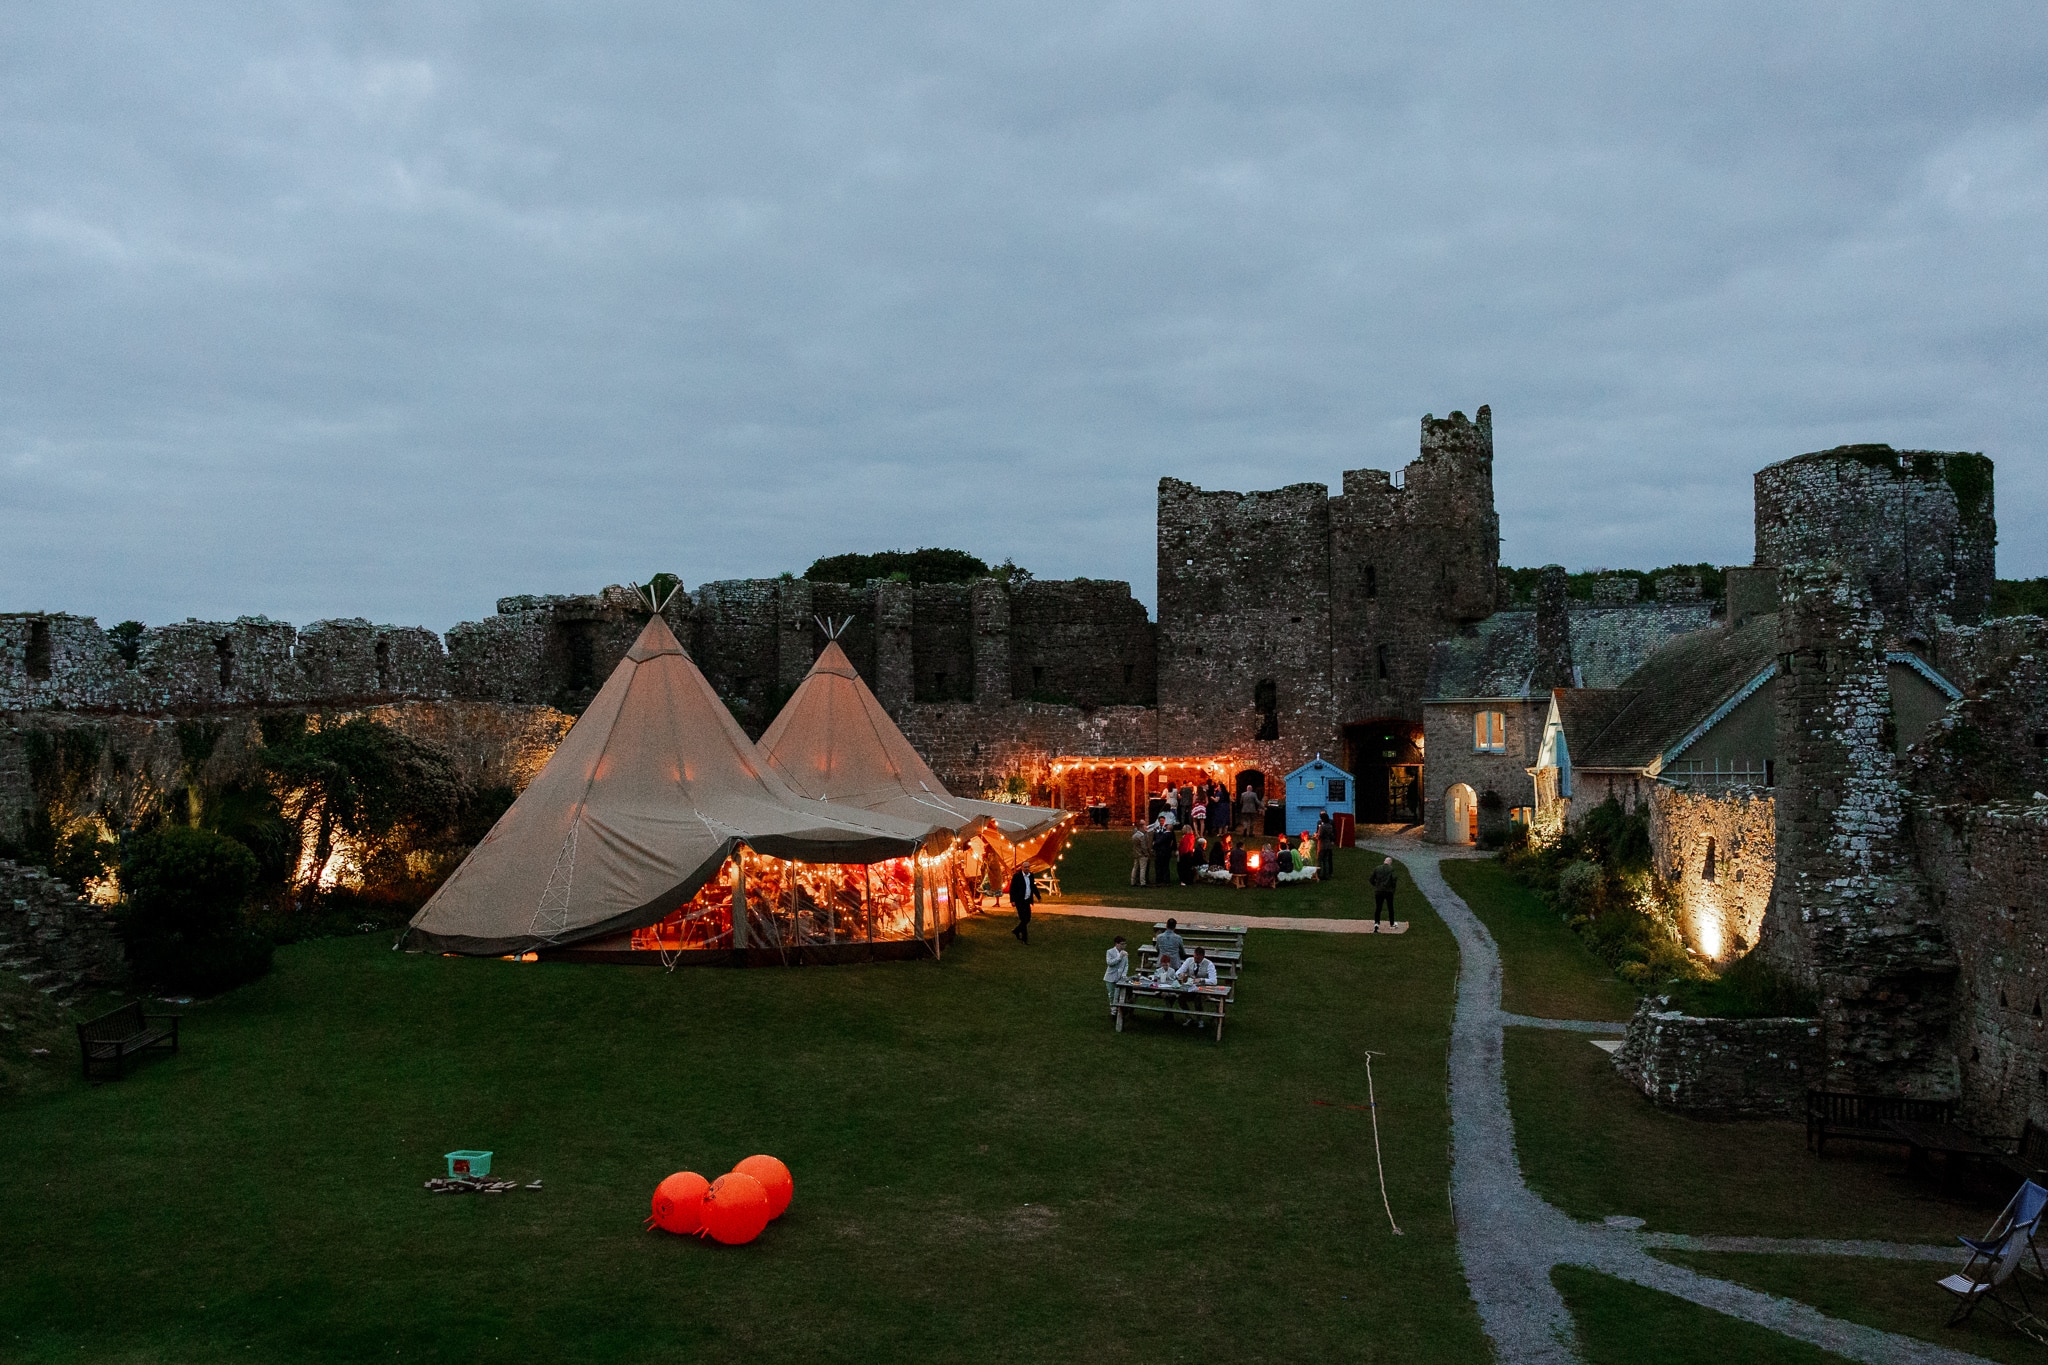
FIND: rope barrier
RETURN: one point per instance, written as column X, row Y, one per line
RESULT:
column 1373, row 1103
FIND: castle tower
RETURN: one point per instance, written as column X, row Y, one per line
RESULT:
column 1847, row 913
column 1917, row 525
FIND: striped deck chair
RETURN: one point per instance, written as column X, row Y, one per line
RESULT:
column 1988, row 1278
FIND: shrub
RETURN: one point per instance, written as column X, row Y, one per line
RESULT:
column 1579, row 886
column 183, row 918
column 1750, row 988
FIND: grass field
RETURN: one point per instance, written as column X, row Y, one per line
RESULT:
column 1625, row 1324
column 1097, row 869
column 984, row 1169
column 1546, row 969
column 1899, row 1296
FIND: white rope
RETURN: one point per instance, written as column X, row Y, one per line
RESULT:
column 1373, row 1103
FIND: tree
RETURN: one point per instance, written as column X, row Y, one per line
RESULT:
column 916, row 566
column 362, row 779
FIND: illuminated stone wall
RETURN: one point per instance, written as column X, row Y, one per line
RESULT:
column 1717, row 851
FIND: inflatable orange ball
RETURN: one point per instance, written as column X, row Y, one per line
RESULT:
column 679, row 1203
column 735, row 1209
column 774, row 1178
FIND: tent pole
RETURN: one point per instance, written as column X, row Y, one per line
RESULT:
column 739, row 899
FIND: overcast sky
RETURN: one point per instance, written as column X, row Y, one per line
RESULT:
column 330, row 310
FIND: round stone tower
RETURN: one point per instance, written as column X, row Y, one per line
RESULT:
column 1918, row 524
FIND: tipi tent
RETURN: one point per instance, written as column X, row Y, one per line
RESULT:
column 833, row 741
column 646, row 816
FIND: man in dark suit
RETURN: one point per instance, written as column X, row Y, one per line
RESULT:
column 1023, row 891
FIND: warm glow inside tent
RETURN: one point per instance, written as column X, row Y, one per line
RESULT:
column 833, row 741
column 658, row 827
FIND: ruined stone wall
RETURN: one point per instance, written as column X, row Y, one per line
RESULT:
column 1410, row 561
column 1244, row 622
column 1721, row 1068
column 1717, row 852
column 942, row 642
column 58, row 942
column 1989, row 870
column 1968, row 655
column 1082, row 639
column 1850, row 915
column 1919, row 525
column 974, row 747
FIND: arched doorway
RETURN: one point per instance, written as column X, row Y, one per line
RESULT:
column 1385, row 756
column 1461, row 815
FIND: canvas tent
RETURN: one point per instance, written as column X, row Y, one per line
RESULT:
column 833, row 741
column 656, row 813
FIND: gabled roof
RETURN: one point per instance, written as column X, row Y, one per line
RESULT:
column 651, row 791
column 833, row 741
column 1675, row 690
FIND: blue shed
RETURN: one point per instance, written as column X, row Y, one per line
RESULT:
column 1314, row 788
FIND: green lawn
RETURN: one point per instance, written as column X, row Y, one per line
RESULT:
column 1898, row 1296
column 1097, row 870
column 1593, row 1146
column 985, row 1171
column 1546, row 969
column 1625, row 1324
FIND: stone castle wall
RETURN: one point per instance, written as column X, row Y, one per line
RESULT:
column 1721, row 1068
column 56, row 941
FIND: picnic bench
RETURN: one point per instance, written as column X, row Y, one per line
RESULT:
column 1955, row 1145
column 117, row 1035
column 1866, row 1118
column 1199, row 1003
column 1210, row 936
column 1229, row 961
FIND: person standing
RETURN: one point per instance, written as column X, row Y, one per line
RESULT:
column 1141, row 855
column 1383, row 881
column 1023, row 892
column 1168, row 942
column 1326, row 846
column 1249, row 808
column 1162, row 852
column 1116, row 970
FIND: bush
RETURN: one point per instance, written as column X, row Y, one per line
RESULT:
column 1750, row 988
column 1579, row 886
column 183, row 918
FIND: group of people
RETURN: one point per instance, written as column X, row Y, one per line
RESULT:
column 1165, row 851
column 1176, row 966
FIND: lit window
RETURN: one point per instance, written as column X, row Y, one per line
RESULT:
column 1489, row 733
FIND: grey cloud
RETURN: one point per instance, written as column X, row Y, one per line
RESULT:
column 329, row 309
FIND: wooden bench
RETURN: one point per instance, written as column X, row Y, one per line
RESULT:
column 1212, row 937
column 119, row 1034
column 1132, row 1000
column 1866, row 1118
column 1228, row 962
column 2029, row 1156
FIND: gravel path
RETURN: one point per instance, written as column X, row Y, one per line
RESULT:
column 1573, row 1025
column 1509, row 1239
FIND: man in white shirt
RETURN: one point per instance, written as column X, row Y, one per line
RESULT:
column 1196, row 971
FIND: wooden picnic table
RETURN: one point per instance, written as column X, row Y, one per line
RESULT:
column 1955, row 1144
column 1175, row 1001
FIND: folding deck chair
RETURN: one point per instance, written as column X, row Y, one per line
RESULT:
column 1995, row 1256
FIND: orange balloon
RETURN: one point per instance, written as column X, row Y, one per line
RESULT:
column 679, row 1203
column 774, row 1178
column 735, row 1209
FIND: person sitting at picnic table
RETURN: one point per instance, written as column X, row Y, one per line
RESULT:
column 1116, row 970
column 1167, row 941
column 1196, row 971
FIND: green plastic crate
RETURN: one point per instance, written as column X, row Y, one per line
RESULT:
column 468, row 1163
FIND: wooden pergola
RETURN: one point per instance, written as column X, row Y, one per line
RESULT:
column 1124, row 782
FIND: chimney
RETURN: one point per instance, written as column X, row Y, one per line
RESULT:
column 1553, row 633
